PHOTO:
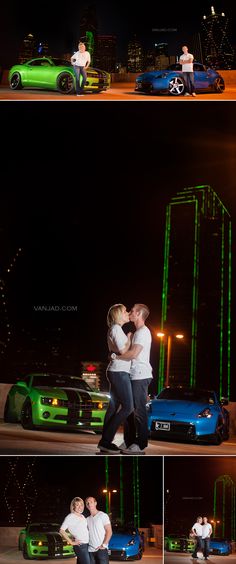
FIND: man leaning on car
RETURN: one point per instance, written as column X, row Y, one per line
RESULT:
column 186, row 60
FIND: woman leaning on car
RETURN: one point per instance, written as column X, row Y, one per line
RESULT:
column 76, row 525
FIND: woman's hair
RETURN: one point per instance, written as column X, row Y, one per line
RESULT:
column 73, row 502
column 114, row 314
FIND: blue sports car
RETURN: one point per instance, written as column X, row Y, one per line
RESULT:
column 125, row 544
column 188, row 414
column 172, row 81
column 222, row 547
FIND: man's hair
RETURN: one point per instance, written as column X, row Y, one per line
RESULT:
column 94, row 498
column 114, row 314
column 73, row 502
column 143, row 309
column 199, row 517
column 185, row 46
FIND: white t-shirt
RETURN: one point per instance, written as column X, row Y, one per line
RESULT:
column 77, row 526
column 96, row 524
column 80, row 59
column 116, row 340
column 197, row 527
column 206, row 530
column 187, row 67
column 140, row 366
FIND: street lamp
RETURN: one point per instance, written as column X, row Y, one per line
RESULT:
column 108, row 494
column 214, row 524
column 170, row 336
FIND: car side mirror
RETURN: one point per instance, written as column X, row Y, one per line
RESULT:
column 224, row 401
column 22, row 384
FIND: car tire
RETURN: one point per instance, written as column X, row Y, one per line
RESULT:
column 8, row 418
column 176, row 86
column 26, row 416
column 219, row 85
column 218, row 437
column 25, row 552
column 15, row 81
column 65, row 83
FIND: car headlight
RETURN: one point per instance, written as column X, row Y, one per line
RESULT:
column 131, row 542
column 205, row 413
column 54, row 402
column 39, row 543
column 102, row 405
column 149, row 407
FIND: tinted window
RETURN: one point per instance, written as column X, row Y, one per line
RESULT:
column 61, row 63
column 187, row 395
column 43, row 528
column 40, row 63
column 57, row 381
column 175, row 66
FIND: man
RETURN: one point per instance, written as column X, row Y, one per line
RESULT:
column 206, row 535
column 100, row 532
column 186, row 60
column 81, row 61
column 136, row 425
column 197, row 530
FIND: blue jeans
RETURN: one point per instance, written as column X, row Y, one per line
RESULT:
column 198, row 546
column 136, row 425
column 82, row 553
column 80, row 71
column 189, row 81
column 99, row 557
column 120, row 406
column 206, row 546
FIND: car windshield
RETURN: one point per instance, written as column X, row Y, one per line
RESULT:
column 61, row 63
column 124, row 530
column 43, row 528
column 201, row 396
column 57, row 381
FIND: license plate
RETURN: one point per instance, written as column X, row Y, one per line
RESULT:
column 162, row 426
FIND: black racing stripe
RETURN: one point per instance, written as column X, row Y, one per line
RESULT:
column 78, row 400
column 55, row 544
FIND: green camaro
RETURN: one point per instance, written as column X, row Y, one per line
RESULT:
column 55, row 401
column 179, row 543
column 43, row 540
column 55, row 74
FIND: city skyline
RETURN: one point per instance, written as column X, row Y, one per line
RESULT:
column 61, row 30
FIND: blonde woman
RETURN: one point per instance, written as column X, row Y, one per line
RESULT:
column 74, row 530
column 118, row 374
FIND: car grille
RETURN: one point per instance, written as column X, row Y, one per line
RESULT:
column 177, row 428
column 118, row 554
column 77, row 418
column 144, row 86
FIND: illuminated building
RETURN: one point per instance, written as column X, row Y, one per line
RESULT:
column 135, row 56
column 28, row 49
column 224, row 524
column 196, row 297
column 19, row 492
column 105, row 56
column 217, row 50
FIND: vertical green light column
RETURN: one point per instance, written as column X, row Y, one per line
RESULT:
column 121, row 492
column 107, row 482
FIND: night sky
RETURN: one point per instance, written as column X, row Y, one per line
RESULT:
column 60, row 26
column 188, row 477
column 84, row 194
column 55, row 481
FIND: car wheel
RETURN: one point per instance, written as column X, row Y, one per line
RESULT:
column 65, row 83
column 8, row 417
column 176, row 86
column 26, row 415
column 219, row 85
column 218, row 437
column 15, row 81
column 25, row 552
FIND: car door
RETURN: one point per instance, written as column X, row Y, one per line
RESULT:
column 38, row 72
column 21, row 392
column 202, row 77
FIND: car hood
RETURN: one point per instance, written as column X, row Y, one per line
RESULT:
column 155, row 74
column 62, row 393
column 43, row 536
column 120, row 539
column 175, row 408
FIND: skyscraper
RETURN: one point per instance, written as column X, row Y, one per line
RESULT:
column 196, row 295
column 135, row 56
column 217, row 49
column 105, row 56
column 88, row 29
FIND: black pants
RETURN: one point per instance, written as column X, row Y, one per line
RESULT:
column 120, row 406
column 136, row 425
column 82, row 553
column 189, row 81
column 99, row 557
